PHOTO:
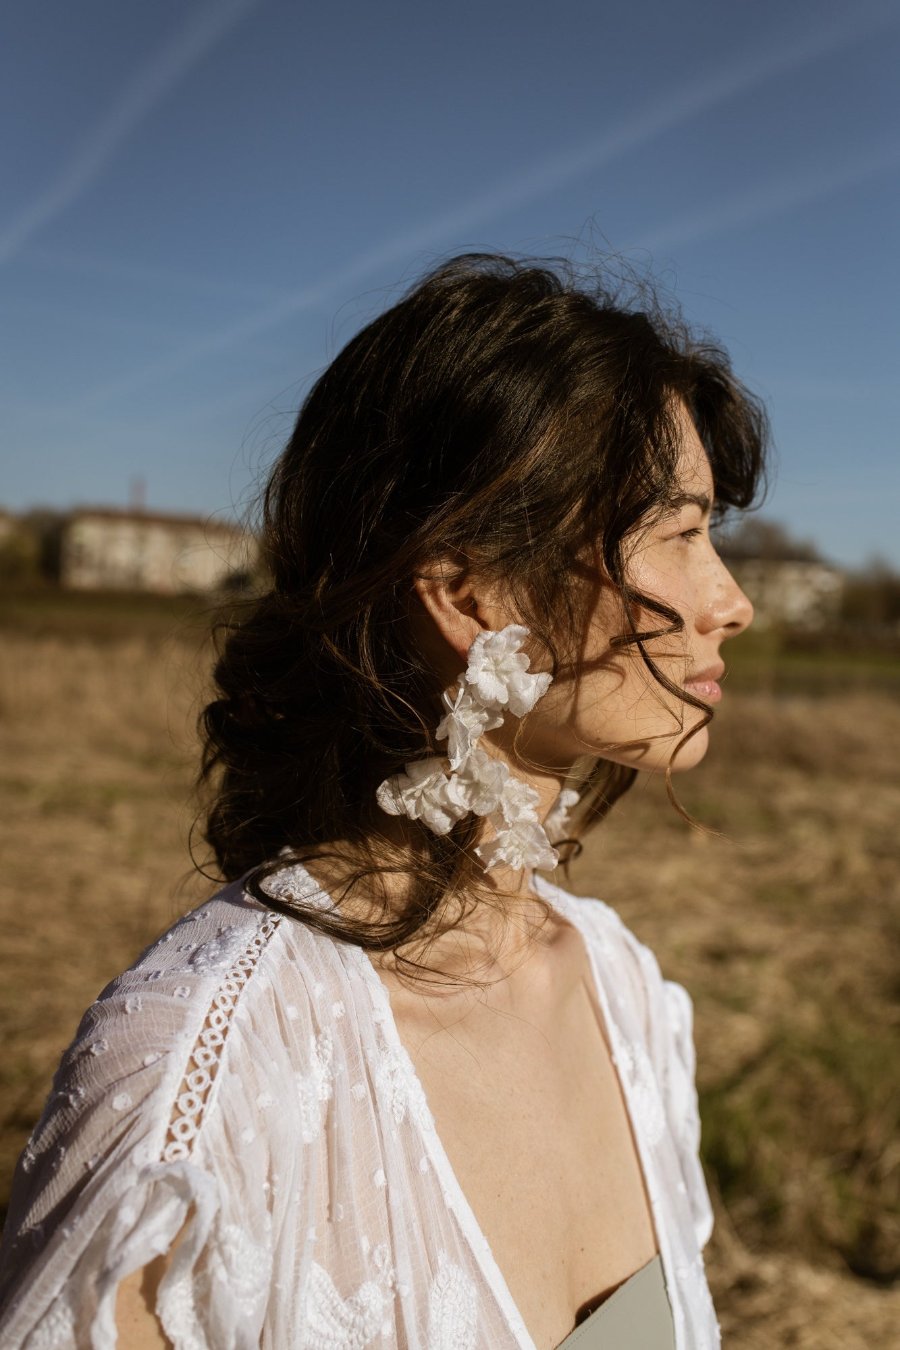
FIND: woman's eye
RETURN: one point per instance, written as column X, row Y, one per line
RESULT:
column 690, row 534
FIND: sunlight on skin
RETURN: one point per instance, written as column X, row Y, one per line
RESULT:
column 609, row 703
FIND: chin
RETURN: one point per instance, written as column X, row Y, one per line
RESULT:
column 692, row 753
column 656, row 758
column 659, row 759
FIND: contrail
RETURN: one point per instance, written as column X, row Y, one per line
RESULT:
column 764, row 201
column 682, row 105
column 133, row 105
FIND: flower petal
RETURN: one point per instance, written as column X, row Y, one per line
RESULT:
column 557, row 820
column 498, row 671
column 478, row 784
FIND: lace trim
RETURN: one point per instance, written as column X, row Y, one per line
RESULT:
column 203, row 1061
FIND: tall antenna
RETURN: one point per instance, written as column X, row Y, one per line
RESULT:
column 138, row 494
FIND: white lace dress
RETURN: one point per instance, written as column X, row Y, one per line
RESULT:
column 246, row 1075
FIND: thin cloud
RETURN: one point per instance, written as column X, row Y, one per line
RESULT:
column 765, row 201
column 681, row 106
column 133, row 106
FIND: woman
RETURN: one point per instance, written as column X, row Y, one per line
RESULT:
column 391, row 1087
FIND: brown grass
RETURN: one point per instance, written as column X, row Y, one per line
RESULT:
column 783, row 926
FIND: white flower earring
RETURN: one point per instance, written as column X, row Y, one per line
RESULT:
column 497, row 679
column 556, row 822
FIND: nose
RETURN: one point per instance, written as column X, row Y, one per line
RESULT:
column 728, row 609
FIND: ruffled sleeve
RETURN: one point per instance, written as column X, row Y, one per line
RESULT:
column 151, row 1134
column 69, row 1296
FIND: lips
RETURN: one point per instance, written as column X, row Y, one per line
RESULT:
column 704, row 684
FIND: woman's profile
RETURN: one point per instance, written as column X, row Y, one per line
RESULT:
column 392, row 1085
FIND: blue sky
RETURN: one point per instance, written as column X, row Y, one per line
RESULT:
column 203, row 200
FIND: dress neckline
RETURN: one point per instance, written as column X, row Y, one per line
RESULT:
column 566, row 906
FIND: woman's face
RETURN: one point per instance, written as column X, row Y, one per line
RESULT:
column 607, row 703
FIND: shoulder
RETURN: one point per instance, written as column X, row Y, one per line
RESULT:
column 659, row 1009
column 230, row 979
column 136, row 1031
column 633, row 964
column 203, row 973
column 144, row 1066
column 180, row 1009
column 120, row 1076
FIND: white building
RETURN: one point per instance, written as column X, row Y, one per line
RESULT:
column 107, row 549
column 790, row 593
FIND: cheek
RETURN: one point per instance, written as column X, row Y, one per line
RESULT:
column 616, row 698
column 618, row 713
column 623, row 702
column 668, row 581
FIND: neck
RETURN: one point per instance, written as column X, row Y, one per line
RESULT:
column 479, row 933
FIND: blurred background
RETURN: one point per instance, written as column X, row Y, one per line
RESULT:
column 202, row 203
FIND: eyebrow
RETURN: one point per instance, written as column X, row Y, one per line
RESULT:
column 690, row 499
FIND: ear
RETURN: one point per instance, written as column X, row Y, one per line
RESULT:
column 447, row 595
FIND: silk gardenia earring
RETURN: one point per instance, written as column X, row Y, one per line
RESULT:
column 497, row 679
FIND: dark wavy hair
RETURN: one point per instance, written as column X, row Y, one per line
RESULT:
column 502, row 413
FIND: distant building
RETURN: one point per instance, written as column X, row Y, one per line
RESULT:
column 787, row 579
column 107, row 549
column 791, row 592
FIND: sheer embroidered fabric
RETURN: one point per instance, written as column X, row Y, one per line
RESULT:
column 244, row 1082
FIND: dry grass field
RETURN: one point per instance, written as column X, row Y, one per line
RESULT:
column 783, row 925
